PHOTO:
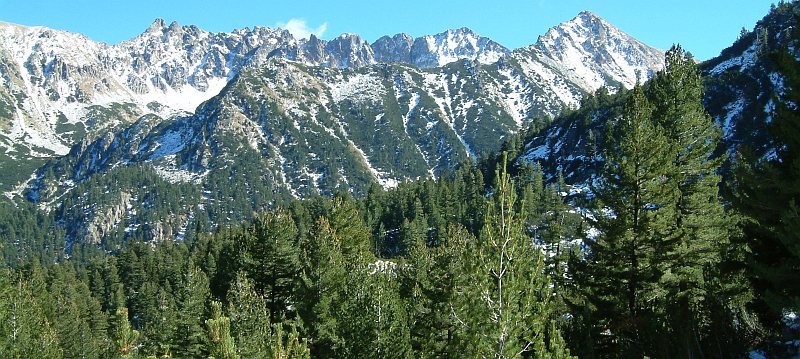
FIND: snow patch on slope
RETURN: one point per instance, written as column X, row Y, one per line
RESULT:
column 744, row 61
column 173, row 174
column 554, row 82
column 170, row 143
column 359, row 88
column 733, row 111
column 515, row 99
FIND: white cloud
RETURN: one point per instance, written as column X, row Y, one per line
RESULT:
column 300, row 30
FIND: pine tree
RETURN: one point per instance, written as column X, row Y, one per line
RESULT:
column 321, row 291
column 336, row 257
column 270, row 257
column 698, row 233
column 503, row 305
column 354, row 236
column 220, row 342
column 288, row 345
column 161, row 321
column 76, row 315
column 427, row 280
column 249, row 316
column 415, row 287
column 25, row 331
column 193, row 296
column 372, row 321
column 125, row 337
column 637, row 202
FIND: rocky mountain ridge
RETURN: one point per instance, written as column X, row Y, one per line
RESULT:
column 54, row 79
column 58, row 87
column 292, row 119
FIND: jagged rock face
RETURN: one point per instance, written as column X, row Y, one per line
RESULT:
column 58, row 87
column 382, row 123
column 54, row 83
column 170, row 57
column 742, row 81
column 438, row 50
column 61, row 83
column 393, row 49
column 345, row 51
column 351, row 51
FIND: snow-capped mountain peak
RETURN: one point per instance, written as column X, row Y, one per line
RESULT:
column 158, row 25
column 455, row 44
column 439, row 49
column 598, row 53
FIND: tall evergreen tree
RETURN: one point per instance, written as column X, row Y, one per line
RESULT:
column 321, row 291
column 270, row 257
column 220, row 342
column 25, row 331
column 415, row 286
column 698, row 234
column 192, row 301
column 504, row 307
column 81, row 326
column 125, row 337
column 161, row 323
column 637, row 205
column 250, row 326
column 427, row 280
column 372, row 322
column 288, row 344
column 336, row 253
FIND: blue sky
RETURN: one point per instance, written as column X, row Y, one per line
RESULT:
column 703, row 27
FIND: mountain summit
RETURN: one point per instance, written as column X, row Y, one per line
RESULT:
column 597, row 53
column 437, row 50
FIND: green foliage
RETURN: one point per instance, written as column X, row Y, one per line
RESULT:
column 767, row 193
column 125, row 337
column 667, row 232
column 193, row 296
column 268, row 253
column 219, row 334
column 699, row 229
column 249, row 317
column 490, row 259
column 288, row 345
column 504, row 308
column 25, row 331
column 634, row 190
column 373, row 322
column 26, row 232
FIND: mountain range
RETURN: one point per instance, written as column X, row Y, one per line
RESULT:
column 180, row 126
column 59, row 87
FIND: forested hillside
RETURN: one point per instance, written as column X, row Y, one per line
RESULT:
column 668, row 242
